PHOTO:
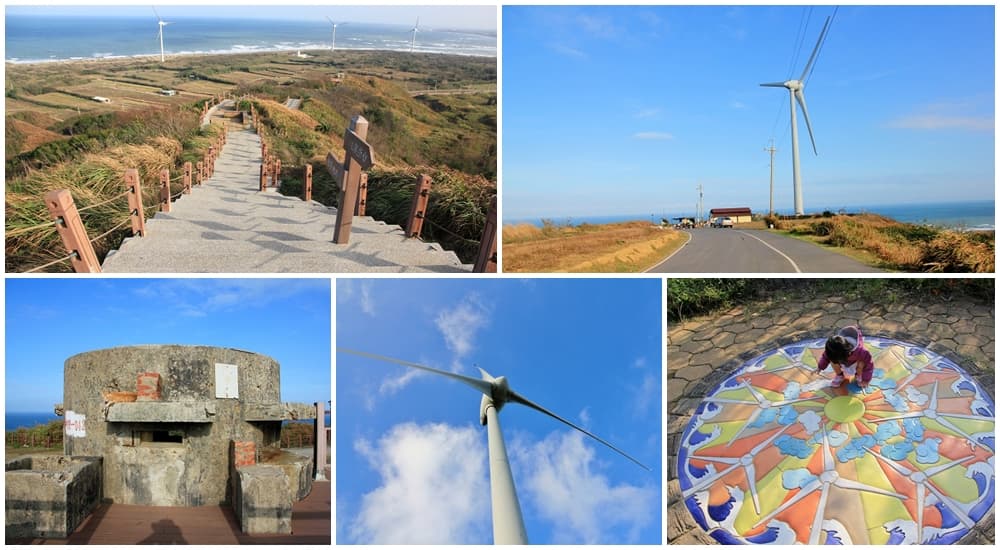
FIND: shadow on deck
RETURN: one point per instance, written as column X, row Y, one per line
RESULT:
column 131, row 524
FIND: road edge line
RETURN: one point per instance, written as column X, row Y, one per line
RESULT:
column 783, row 255
column 664, row 260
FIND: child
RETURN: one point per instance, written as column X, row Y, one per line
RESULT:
column 849, row 357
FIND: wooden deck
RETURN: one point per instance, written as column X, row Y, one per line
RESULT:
column 128, row 524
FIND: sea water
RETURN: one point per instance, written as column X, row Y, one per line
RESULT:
column 15, row 420
column 33, row 39
column 971, row 215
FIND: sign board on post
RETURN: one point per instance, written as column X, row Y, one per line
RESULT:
column 358, row 155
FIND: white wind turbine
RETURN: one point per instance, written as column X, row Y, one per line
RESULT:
column 508, row 524
column 162, row 24
column 795, row 92
column 413, row 39
column 333, row 39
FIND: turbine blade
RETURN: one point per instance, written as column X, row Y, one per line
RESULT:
column 517, row 398
column 774, row 84
column 801, row 97
column 330, row 20
column 486, row 376
column 157, row 14
column 812, row 58
column 481, row 385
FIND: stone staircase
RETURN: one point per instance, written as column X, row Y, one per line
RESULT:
column 228, row 226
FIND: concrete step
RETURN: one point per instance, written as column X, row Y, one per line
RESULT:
column 227, row 225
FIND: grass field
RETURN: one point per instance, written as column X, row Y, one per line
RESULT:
column 628, row 247
column 887, row 243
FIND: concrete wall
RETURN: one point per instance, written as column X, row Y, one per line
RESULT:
column 193, row 472
column 262, row 502
column 48, row 496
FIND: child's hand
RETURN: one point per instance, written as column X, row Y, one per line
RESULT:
column 863, row 383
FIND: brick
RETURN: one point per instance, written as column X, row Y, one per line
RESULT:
column 244, row 453
column 148, row 386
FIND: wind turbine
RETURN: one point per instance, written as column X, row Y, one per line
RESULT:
column 333, row 39
column 795, row 92
column 162, row 24
column 413, row 39
column 508, row 524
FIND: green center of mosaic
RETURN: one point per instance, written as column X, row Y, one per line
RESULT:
column 845, row 408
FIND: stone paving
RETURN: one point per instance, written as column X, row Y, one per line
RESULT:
column 704, row 351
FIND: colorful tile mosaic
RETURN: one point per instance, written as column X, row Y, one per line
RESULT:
column 776, row 455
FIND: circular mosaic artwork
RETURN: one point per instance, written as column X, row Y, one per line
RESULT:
column 776, row 455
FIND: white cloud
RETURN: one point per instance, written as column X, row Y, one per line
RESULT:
column 653, row 135
column 199, row 297
column 650, row 112
column 460, row 325
column 367, row 304
column 567, row 50
column 737, row 105
column 433, row 489
column 563, row 483
column 646, row 394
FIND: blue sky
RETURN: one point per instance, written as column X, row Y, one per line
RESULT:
column 49, row 320
column 410, row 452
column 624, row 110
column 462, row 17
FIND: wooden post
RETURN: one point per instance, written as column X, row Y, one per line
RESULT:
column 309, row 183
column 211, row 160
column 263, row 178
column 138, row 215
column 358, row 156
column 362, row 195
column 486, row 260
column 200, row 172
column 277, row 173
column 319, row 441
column 164, row 190
column 187, row 178
column 70, row 228
column 418, row 208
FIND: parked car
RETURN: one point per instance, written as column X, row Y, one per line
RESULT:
column 723, row 221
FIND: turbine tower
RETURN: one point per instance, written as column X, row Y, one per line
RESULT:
column 162, row 24
column 413, row 39
column 508, row 524
column 795, row 92
column 333, row 39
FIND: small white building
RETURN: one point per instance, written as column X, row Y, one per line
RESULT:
column 101, row 99
column 169, row 93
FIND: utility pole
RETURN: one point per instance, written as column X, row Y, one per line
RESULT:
column 770, row 148
column 701, row 204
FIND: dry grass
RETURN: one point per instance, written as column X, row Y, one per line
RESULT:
column 903, row 246
column 612, row 248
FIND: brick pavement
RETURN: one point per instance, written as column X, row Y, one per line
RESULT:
column 704, row 351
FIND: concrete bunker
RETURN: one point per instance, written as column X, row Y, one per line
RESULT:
column 176, row 440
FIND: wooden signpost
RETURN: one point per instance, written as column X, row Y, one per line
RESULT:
column 358, row 156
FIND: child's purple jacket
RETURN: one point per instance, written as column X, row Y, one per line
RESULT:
column 859, row 355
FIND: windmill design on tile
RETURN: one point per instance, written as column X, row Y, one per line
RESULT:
column 796, row 93
column 508, row 523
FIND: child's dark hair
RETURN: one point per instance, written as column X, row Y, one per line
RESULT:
column 838, row 348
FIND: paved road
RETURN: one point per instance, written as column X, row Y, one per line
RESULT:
column 228, row 226
column 754, row 251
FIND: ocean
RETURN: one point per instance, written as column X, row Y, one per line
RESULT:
column 15, row 420
column 34, row 39
column 974, row 215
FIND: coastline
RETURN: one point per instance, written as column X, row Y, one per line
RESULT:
column 313, row 52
